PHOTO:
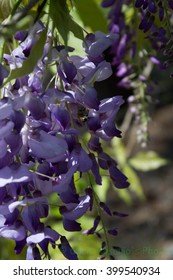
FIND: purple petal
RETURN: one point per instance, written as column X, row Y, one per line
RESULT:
column 12, row 232
column 39, row 237
column 14, row 141
column 46, row 146
column 35, row 238
column 35, row 83
column 3, row 148
column 93, row 229
column 30, row 219
column 66, row 249
column 121, row 50
column 94, row 122
column 94, row 143
column 100, row 45
column 18, row 119
column 104, row 71
column 107, row 3
column 25, row 202
column 12, row 217
column 32, row 253
column 110, row 104
column 152, row 7
column 161, row 13
column 138, row 3
column 119, row 214
column 35, row 105
column 19, row 246
column 64, row 180
column 62, row 116
column 9, row 175
column 105, row 208
column 70, row 225
column 118, row 178
column 104, row 160
column 80, row 157
column 78, row 210
column 90, row 98
column 5, row 128
column 20, row 35
column 3, row 193
column 51, row 234
column 2, row 220
column 83, row 64
column 5, row 110
column 95, row 169
column 113, row 232
column 110, row 129
column 69, row 70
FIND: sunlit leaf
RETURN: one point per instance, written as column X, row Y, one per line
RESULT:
column 62, row 20
column 125, row 195
column 146, row 161
column 91, row 15
column 5, row 8
column 135, row 184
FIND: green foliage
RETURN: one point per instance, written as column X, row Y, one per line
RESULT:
column 119, row 150
column 62, row 20
column 9, row 30
column 91, row 15
column 87, row 246
column 147, row 161
column 135, row 184
column 29, row 64
column 7, row 250
column 5, row 8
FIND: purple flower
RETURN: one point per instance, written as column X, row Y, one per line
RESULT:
column 70, row 225
column 66, row 249
column 49, row 147
column 118, row 178
column 61, row 116
column 15, row 232
column 112, row 231
column 41, row 141
column 107, row 3
column 90, row 98
column 69, row 71
column 14, row 174
column 35, row 105
column 47, row 233
column 33, row 253
column 74, row 211
column 95, row 225
column 80, row 157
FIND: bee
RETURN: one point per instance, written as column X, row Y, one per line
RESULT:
column 82, row 115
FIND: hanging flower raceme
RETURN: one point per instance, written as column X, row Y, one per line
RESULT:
column 41, row 144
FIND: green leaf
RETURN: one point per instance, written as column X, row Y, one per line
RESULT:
column 29, row 64
column 91, row 15
column 7, row 31
column 146, row 161
column 124, row 194
column 5, row 8
column 134, row 181
column 62, row 20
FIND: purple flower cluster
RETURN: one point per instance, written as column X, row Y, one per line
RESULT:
column 156, row 21
column 132, row 54
column 41, row 146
